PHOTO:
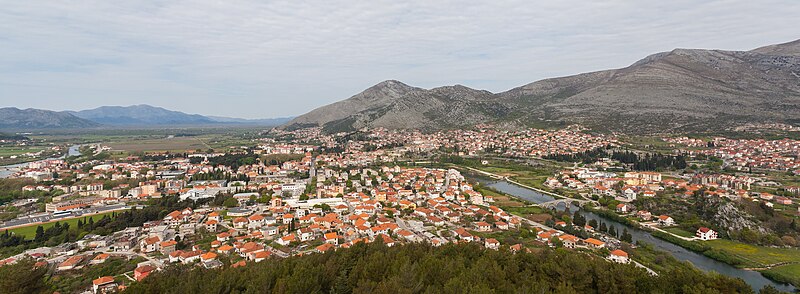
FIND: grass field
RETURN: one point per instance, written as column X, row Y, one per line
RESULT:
column 679, row 232
column 787, row 274
column 30, row 231
column 10, row 151
column 757, row 254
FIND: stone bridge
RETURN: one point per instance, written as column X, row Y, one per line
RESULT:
column 555, row 203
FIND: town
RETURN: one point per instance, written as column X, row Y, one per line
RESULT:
column 307, row 192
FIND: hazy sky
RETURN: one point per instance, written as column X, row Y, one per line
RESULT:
column 258, row 59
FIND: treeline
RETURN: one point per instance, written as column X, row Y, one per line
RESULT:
column 420, row 268
column 161, row 157
column 646, row 162
column 233, row 161
column 11, row 189
column 217, row 174
column 60, row 233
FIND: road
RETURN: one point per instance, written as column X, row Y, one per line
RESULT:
column 45, row 218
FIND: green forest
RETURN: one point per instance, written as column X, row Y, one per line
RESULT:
column 419, row 268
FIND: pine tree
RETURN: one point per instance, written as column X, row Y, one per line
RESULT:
column 39, row 234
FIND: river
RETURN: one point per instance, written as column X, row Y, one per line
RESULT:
column 753, row 278
column 7, row 170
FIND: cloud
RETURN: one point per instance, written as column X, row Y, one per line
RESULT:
column 277, row 58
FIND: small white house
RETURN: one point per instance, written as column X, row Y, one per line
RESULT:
column 706, row 234
column 619, row 256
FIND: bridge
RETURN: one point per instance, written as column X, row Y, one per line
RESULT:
column 555, row 203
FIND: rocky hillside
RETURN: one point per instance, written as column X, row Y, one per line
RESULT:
column 19, row 119
column 684, row 89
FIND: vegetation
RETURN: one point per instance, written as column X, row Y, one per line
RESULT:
column 646, row 162
column 417, row 268
column 23, row 278
column 30, row 231
column 784, row 274
column 60, row 233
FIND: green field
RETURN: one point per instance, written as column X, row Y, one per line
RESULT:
column 679, row 232
column 787, row 274
column 763, row 256
column 10, row 151
column 30, row 231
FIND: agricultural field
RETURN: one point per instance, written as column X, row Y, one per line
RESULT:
column 786, row 273
column 15, row 150
column 761, row 255
column 173, row 144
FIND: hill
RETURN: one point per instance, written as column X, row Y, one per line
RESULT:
column 419, row 268
column 683, row 89
column 15, row 118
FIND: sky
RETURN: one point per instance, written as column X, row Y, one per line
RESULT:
column 263, row 59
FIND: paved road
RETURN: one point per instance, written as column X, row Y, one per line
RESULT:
column 45, row 218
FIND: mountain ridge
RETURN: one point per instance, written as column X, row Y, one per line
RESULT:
column 681, row 89
column 15, row 118
column 140, row 115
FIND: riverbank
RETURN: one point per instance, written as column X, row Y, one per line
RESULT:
column 777, row 264
column 672, row 247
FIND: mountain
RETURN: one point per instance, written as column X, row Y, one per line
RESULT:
column 683, row 89
column 140, row 115
column 257, row 122
column 15, row 118
column 146, row 115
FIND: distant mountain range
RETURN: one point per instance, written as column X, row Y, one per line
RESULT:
column 679, row 90
column 117, row 116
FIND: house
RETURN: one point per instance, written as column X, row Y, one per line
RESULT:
column 665, row 220
column 594, row 243
column 306, row 234
column 569, row 241
column 286, row 240
column 492, row 243
column 332, row 238
column 70, row 263
column 501, row 225
column 483, row 227
column 168, row 247
column 706, row 234
column 644, row 215
column 464, row 235
column 324, row 247
column 104, row 285
column 271, row 231
column 190, row 256
column 261, row 256
column 619, row 256
column 240, row 222
column 142, row 272
column 211, row 225
column 150, row 244
column 100, row 258
column 623, row 208
column 208, row 256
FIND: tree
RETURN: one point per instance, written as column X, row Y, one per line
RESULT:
column 578, row 219
column 612, row 231
column 626, row 236
column 23, row 277
column 231, row 202
column 39, row 234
